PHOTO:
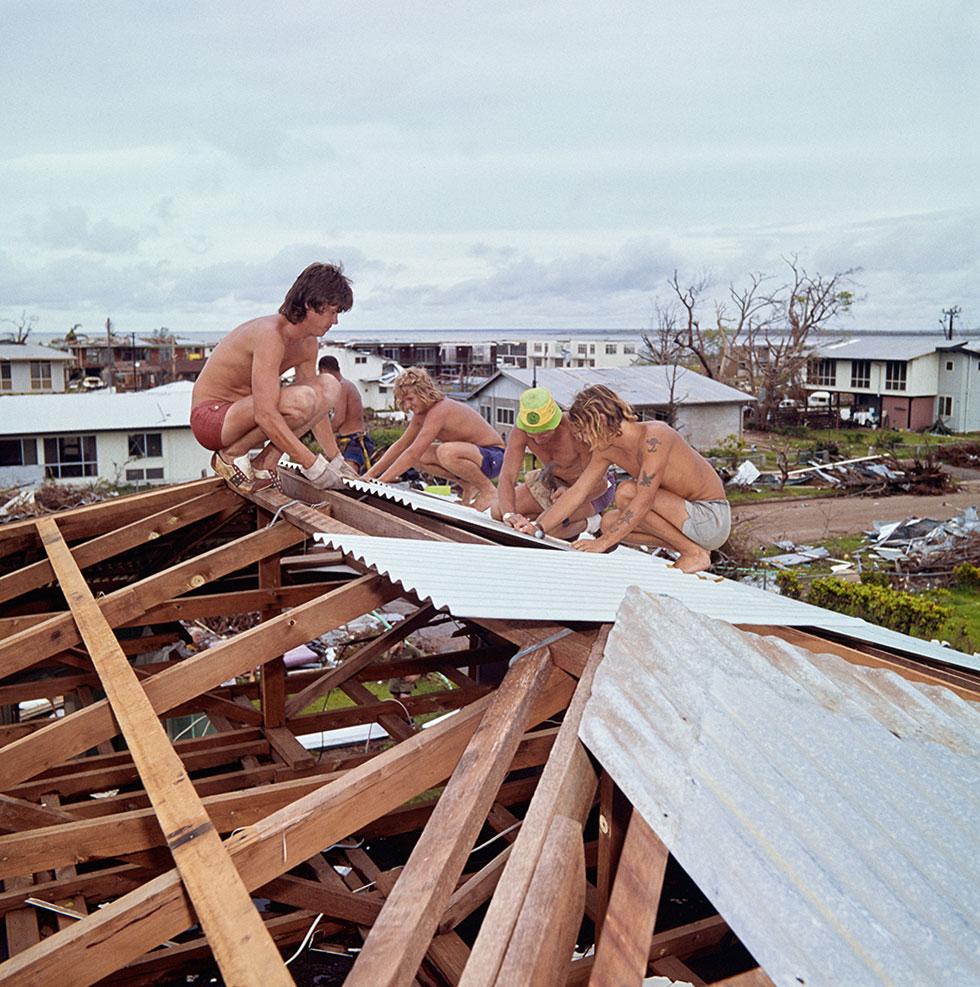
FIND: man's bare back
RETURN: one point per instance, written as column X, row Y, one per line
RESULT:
column 349, row 414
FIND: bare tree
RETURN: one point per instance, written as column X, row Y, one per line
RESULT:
column 662, row 347
column 22, row 328
column 759, row 337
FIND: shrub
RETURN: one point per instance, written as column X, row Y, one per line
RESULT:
column 385, row 436
column 790, row 584
column 900, row 611
column 875, row 577
column 967, row 575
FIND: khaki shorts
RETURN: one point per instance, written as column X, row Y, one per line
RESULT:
column 709, row 522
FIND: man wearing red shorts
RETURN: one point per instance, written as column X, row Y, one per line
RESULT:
column 238, row 403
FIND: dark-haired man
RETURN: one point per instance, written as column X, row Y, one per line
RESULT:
column 239, row 404
column 354, row 443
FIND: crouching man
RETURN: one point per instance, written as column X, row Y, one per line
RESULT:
column 238, row 403
column 444, row 437
column 545, row 431
column 675, row 498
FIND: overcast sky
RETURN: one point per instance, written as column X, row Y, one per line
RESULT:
column 502, row 164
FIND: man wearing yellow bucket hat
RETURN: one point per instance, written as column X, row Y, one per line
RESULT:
column 542, row 429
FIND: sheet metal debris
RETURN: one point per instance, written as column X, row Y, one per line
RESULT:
column 827, row 809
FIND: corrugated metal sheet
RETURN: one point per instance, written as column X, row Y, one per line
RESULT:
column 448, row 510
column 880, row 347
column 496, row 581
column 165, row 407
column 827, row 810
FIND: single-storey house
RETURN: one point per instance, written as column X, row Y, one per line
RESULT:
column 707, row 411
column 907, row 381
column 135, row 437
column 26, row 368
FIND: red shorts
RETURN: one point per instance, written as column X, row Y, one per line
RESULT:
column 206, row 421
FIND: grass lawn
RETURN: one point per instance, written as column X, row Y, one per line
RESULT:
column 964, row 601
column 736, row 497
column 338, row 699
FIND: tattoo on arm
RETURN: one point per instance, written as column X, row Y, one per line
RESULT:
column 652, row 444
column 625, row 518
column 646, row 478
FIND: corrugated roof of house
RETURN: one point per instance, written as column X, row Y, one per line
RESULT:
column 17, row 352
column 97, row 411
column 827, row 809
column 647, row 385
column 883, row 348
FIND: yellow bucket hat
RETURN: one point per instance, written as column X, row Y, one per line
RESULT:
column 539, row 411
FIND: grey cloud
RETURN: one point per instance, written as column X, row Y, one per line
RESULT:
column 69, row 228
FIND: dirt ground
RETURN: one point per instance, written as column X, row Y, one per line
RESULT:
column 815, row 520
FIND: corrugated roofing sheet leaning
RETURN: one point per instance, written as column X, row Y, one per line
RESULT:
column 496, row 581
column 827, row 810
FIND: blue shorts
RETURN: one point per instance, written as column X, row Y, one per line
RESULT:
column 357, row 448
column 493, row 459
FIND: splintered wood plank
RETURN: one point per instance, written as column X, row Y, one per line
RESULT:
column 401, row 935
column 243, row 948
column 621, row 956
column 358, row 660
column 61, row 739
column 122, row 931
column 567, row 787
column 614, row 817
column 120, row 540
column 33, row 645
column 547, row 927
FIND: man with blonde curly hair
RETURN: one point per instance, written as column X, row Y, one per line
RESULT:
column 675, row 498
column 444, row 437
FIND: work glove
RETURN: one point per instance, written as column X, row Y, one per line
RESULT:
column 325, row 474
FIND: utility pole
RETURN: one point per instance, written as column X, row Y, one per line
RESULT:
column 951, row 314
column 132, row 353
column 111, row 367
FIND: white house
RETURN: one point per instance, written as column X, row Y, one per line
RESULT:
column 134, row 437
column 909, row 382
column 374, row 375
column 29, row 369
column 706, row 411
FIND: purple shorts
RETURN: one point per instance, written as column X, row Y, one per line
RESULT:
column 206, row 421
column 605, row 499
column 493, row 459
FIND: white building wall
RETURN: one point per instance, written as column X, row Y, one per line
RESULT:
column 364, row 369
column 20, row 377
column 705, row 426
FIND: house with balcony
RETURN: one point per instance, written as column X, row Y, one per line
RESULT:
column 29, row 369
column 907, row 382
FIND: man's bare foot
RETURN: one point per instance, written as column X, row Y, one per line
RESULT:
column 693, row 561
column 481, row 502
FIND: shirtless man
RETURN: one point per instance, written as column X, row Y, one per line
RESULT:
column 238, row 403
column 348, row 417
column 545, row 431
column 444, row 437
column 676, row 499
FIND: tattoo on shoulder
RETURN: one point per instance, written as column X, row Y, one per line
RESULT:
column 645, row 479
column 652, row 444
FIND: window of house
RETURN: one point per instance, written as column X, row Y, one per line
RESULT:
column 40, row 375
column 610, row 349
column 949, row 364
column 138, row 475
column 822, row 372
column 583, row 348
column 6, row 380
column 945, row 405
column 144, row 444
column 70, row 455
column 537, row 347
column 487, row 413
column 629, row 348
column 18, row 452
column 505, row 416
column 360, row 359
column 860, row 373
column 895, row 375
column 591, row 349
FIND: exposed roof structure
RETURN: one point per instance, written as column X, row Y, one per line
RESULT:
column 648, row 385
column 168, row 406
column 487, row 849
